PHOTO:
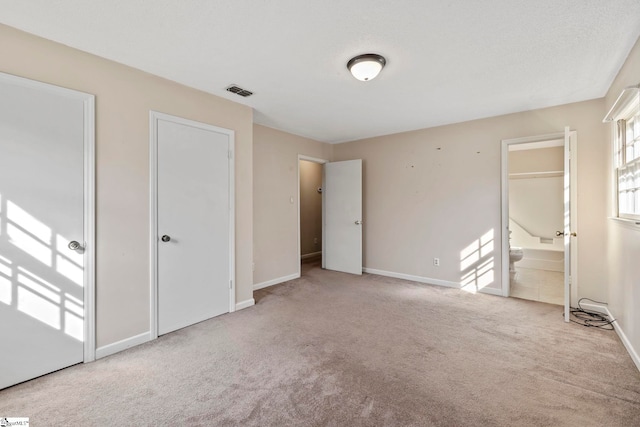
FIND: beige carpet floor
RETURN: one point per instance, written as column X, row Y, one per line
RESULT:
column 331, row 349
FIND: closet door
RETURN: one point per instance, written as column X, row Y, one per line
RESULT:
column 194, row 223
column 42, row 228
column 342, row 192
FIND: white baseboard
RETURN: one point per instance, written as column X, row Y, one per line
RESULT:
column 427, row 280
column 275, row 281
column 625, row 341
column 311, row 255
column 245, row 304
column 420, row 279
column 124, row 344
column 596, row 307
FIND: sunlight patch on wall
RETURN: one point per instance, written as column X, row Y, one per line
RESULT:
column 469, row 256
column 477, row 263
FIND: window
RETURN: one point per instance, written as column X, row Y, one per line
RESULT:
column 626, row 115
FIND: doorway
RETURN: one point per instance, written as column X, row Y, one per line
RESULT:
column 536, row 172
column 310, row 208
column 192, row 235
column 46, row 228
column 538, row 218
column 341, row 215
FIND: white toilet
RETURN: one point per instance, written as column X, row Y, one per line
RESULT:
column 515, row 255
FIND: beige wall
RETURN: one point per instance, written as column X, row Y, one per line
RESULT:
column 275, row 183
column 124, row 97
column 435, row 192
column 536, row 203
column 310, row 207
column 550, row 159
column 623, row 239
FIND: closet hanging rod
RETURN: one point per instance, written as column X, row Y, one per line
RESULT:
column 547, row 174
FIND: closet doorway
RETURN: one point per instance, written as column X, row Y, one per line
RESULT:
column 310, row 212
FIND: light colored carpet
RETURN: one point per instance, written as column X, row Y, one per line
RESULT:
column 332, row 349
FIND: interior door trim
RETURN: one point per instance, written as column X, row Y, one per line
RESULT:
column 89, row 227
column 154, row 117
column 505, row 143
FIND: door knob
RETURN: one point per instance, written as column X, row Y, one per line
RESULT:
column 165, row 238
column 74, row 245
column 559, row 233
column 359, row 222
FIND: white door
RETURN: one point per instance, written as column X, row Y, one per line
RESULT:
column 569, row 252
column 193, row 223
column 342, row 191
column 42, row 137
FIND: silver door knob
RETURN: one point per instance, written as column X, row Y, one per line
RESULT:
column 165, row 238
column 359, row 222
column 73, row 245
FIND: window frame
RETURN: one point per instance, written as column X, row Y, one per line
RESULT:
column 626, row 172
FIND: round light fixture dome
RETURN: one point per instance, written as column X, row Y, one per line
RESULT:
column 366, row 67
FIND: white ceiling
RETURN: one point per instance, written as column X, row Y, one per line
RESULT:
column 447, row 61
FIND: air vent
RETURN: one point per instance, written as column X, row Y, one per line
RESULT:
column 239, row 91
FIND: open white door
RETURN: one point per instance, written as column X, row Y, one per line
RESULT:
column 567, row 223
column 342, row 191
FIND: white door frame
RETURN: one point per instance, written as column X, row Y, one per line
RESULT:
column 505, row 206
column 89, row 228
column 154, row 116
column 321, row 162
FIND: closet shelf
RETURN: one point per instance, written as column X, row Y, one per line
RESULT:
column 527, row 175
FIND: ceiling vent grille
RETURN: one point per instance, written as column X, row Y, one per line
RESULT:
column 239, row 91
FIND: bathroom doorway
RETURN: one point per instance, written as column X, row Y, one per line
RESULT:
column 310, row 233
column 536, row 214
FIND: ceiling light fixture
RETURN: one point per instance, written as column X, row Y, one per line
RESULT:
column 366, row 67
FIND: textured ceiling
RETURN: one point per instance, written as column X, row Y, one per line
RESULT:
column 448, row 61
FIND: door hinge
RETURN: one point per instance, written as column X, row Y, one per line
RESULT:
column 230, row 154
column 230, row 284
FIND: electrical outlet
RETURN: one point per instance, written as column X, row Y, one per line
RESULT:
column 436, row 262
